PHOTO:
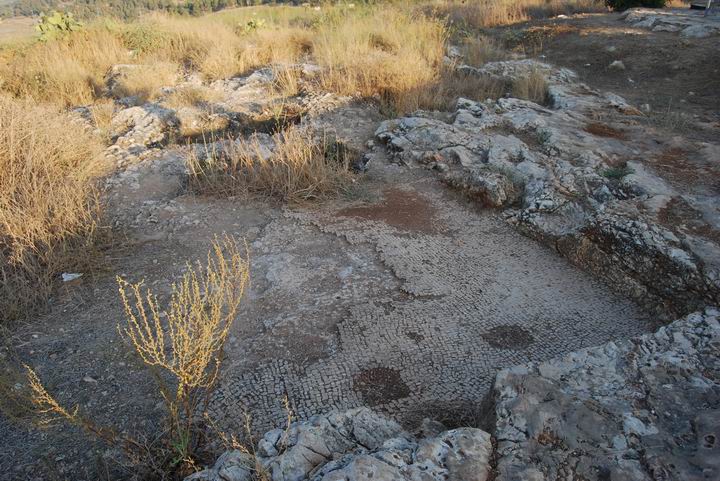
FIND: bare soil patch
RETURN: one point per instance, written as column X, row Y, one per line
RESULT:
column 404, row 210
column 603, row 130
column 679, row 215
column 686, row 168
column 379, row 385
column 509, row 337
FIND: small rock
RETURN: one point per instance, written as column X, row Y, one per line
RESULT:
column 442, row 167
column 617, row 65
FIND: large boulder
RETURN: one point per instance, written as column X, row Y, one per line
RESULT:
column 644, row 409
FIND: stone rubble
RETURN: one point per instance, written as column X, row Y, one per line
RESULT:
column 358, row 445
column 581, row 193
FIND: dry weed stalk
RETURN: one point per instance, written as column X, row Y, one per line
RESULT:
column 185, row 341
column 183, row 346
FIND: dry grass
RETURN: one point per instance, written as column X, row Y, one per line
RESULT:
column 533, row 87
column 72, row 71
column 215, row 47
column 286, row 80
column 145, row 81
column 480, row 50
column 101, row 115
column 64, row 72
column 299, row 168
column 388, row 53
column 491, row 13
column 191, row 96
column 453, row 85
column 183, row 346
column 48, row 204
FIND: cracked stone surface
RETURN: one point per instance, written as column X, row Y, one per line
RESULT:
column 642, row 409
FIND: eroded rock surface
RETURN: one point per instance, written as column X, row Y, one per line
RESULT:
column 358, row 445
column 637, row 410
column 585, row 187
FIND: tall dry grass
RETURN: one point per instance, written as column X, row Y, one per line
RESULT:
column 48, row 201
column 71, row 71
column 298, row 168
column 145, row 81
column 385, row 51
column 388, row 53
column 533, row 87
column 64, row 72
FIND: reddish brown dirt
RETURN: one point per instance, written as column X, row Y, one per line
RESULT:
column 603, row 130
column 404, row 210
column 685, row 169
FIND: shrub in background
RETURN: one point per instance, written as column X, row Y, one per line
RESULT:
column 56, row 24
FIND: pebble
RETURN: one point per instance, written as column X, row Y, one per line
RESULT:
column 617, row 65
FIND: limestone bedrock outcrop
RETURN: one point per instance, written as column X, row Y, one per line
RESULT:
column 358, row 445
column 579, row 185
column 689, row 23
column 644, row 409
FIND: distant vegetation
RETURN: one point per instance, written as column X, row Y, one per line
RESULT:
column 123, row 8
